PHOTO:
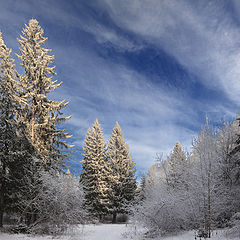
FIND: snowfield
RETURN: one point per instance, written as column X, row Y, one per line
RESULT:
column 109, row 232
column 82, row 232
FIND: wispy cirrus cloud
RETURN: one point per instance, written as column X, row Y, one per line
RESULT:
column 202, row 36
column 153, row 117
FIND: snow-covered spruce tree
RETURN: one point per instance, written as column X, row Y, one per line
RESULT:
column 39, row 114
column 143, row 181
column 95, row 172
column 176, row 166
column 7, row 122
column 16, row 150
column 152, row 176
column 142, row 187
column 122, row 178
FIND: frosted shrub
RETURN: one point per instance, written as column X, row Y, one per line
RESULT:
column 161, row 212
column 58, row 203
column 234, row 231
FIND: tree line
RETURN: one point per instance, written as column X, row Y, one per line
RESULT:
column 197, row 190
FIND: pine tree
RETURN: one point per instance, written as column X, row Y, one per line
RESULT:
column 122, row 181
column 141, row 189
column 152, row 176
column 176, row 164
column 16, row 150
column 95, row 171
column 143, row 181
column 39, row 114
column 142, row 186
column 7, row 122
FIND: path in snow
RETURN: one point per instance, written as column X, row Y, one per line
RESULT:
column 103, row 232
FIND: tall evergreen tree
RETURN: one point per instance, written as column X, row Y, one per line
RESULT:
column 122, row 180
column 39, row 114
column 95, row 171
column 7, row 122
column 152, row 176
column 143, row 181
column 176, row 166
column 142, row 188
column 16, row 150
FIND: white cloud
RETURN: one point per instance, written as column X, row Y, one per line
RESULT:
column 105, row 35
column 202, row 36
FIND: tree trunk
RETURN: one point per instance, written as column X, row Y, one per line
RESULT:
column 100, row 217
column 114, row 219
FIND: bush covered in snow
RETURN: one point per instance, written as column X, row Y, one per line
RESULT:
column 56, row 202
column 234, row 230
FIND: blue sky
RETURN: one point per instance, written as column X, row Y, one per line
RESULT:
column 155, row 66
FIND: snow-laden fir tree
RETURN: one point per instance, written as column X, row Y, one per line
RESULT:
column 176, row 166
column 122, row 178
column 95, row 172
column 142, row 186
column 7, row 123
column 15, row 149
column 39, row 114
column 152, row 176
column 141, row 189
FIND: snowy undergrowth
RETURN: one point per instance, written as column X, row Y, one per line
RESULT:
column 137, row 232
column 190, row 235
column 80, row 232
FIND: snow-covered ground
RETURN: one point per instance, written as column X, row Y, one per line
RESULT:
column 104, row 232
column 82, row 232
column 108, row 232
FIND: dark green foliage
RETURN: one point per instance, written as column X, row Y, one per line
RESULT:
column 95, row 172
column 122, row 182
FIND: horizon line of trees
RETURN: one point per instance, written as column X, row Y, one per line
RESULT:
column 198, row 190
